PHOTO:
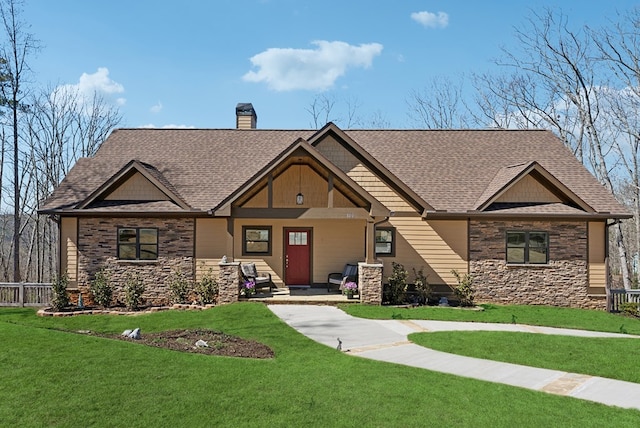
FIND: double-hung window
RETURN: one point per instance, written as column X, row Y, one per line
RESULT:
column 256, row 240
column 137, row 243
column 385, row 241
column 527, row 247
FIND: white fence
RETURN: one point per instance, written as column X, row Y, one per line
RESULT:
column 25, row 294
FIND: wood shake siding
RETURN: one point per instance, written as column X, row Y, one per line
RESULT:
column 137, row 188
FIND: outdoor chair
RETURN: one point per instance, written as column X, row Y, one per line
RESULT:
column 337, row 279
column 250, row 273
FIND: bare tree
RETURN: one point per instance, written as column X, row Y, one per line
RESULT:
column 19, row 45
column 63, row 126
column 439, row 105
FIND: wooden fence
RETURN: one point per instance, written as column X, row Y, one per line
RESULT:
column 25, row 294
column 619, row 296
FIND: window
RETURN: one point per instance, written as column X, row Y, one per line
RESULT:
column 137, row 243
column 256, row 240
column 528, row 247
column 385, row 241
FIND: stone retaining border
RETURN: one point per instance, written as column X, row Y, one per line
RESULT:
column 46, row 312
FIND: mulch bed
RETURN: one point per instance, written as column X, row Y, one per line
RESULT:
column 219, row 343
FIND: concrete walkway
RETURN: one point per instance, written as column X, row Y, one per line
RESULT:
column 386, row 340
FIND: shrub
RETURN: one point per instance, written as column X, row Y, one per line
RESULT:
column 206, row 290
column 133, row 290
column 101, row 289
column 630, row 308
column 180, row 287
column 423, row 289
column 60, row 298
column 397, row 287
column 464, row 289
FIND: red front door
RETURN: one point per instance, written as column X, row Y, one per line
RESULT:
column 297, row 256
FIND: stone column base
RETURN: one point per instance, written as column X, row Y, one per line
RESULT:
column 370, row 283
column 229, row 282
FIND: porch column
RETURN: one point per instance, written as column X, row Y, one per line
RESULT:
column 370, row 251
column 229, row 282
column 229, row 244
column 370, row 283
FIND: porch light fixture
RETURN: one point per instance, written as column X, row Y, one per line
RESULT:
column 299, row 196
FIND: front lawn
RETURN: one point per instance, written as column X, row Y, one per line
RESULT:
column 518, row 314
column 605, row 357
column 54, row 377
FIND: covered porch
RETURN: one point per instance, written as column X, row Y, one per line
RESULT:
column 300, row 219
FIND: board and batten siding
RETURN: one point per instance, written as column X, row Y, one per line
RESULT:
column 597, row 258
column 137, row 188
column 69, row 249
column 303, row 179
column 437, row 246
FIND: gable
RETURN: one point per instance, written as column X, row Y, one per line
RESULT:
column 282, row 178
column 136, row 188
column 354, row 168
column 528, row 189
column 303, row 179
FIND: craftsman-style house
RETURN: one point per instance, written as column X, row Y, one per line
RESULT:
column 513, row 208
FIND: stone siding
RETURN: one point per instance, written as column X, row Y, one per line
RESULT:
column 370, row 283
column 97, row 248
column 229, row 282
column 561, row 282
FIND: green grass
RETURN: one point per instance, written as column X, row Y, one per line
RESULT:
column 532, row 315
column 606, row 357
column 52, row 377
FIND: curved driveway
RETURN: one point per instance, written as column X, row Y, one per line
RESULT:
column 386, row 340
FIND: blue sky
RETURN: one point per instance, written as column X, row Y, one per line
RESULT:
column 187, row 64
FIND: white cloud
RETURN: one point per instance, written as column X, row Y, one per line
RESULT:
column 431, row 20
column 90, row 85
column 288, row 69
column 156, row 108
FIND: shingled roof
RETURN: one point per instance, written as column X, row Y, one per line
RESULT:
column 450, row 170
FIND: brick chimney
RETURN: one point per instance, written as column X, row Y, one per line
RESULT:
column 246, row 117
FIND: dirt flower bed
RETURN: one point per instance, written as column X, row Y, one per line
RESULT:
column 218, row 343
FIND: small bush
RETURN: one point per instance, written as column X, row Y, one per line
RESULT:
column 206, row 290
column 133, row 290
column 395, row 292
column 180, row 287
column 423, row 289
column 630, row 308
column 464, row 289
column 60, row 298
column 101, row 289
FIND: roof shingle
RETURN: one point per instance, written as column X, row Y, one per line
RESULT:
column 449, row 169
